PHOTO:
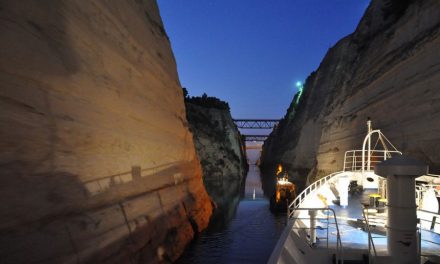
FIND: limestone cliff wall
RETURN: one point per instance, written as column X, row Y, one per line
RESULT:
column 220, row 149
column 96, row 163
column 389, row 70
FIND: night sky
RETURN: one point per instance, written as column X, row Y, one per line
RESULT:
column 251, row 53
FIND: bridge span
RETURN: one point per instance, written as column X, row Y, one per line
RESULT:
column 258, row 138
column 256, row 124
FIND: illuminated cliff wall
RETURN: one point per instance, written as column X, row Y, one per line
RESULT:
column 389, row 70
column 97, row 163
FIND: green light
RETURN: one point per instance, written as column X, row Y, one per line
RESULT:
column 300, row 87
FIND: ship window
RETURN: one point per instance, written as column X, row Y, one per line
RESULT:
column 370, row 179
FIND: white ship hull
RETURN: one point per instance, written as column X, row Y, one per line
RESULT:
column 329, row 224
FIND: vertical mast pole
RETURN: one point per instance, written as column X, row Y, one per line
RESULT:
column 369, row 144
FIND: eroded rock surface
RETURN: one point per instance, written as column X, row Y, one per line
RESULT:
column 96, row 163
column 220, row 148
column 389, row 70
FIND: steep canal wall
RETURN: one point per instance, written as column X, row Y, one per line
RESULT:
column 219, row 146
column 97, row 163
column 389, row 70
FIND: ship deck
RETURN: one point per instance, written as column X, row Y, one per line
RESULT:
column 352, row 235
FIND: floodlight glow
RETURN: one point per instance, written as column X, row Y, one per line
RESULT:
column 300, row 87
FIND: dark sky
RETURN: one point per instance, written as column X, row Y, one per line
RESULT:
column 251, row 53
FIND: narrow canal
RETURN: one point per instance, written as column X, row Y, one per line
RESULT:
column 243, row 230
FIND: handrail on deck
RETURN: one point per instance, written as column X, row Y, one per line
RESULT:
column 370, row 238
column 339, row 248
column 419, row 229
column 299, row 199
column 353, row 160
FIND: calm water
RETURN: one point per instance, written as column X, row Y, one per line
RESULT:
column 243, row 230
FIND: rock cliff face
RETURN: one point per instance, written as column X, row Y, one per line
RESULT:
column 219, row 147
column 389, row 70
column 97, row 163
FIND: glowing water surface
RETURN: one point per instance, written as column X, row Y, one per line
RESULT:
column 243, row 230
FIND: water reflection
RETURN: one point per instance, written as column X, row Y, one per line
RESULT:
column 227, row 195
column 242, row 229
column 268, row 183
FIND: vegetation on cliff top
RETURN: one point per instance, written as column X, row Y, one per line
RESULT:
column 205, row 101
column 218, row 142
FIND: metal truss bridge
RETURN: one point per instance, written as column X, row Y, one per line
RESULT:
column 256, row 124
column 258, row 138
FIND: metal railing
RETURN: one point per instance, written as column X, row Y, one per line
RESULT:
column 431, row 218
column 434, row 220
column 420, row 190
column 339, row 249
column 371, row 258
column 353, row 159
column 312, row 187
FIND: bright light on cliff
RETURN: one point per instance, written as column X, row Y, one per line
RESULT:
column 300, row 87
column 279, row 169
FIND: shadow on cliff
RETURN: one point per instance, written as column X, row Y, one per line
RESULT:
column 35, row 196
column 34, row 204
column 35, row 190
column 29, row 170
column 33, row 184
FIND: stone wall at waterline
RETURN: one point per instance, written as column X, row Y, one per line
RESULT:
column 97, row 162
